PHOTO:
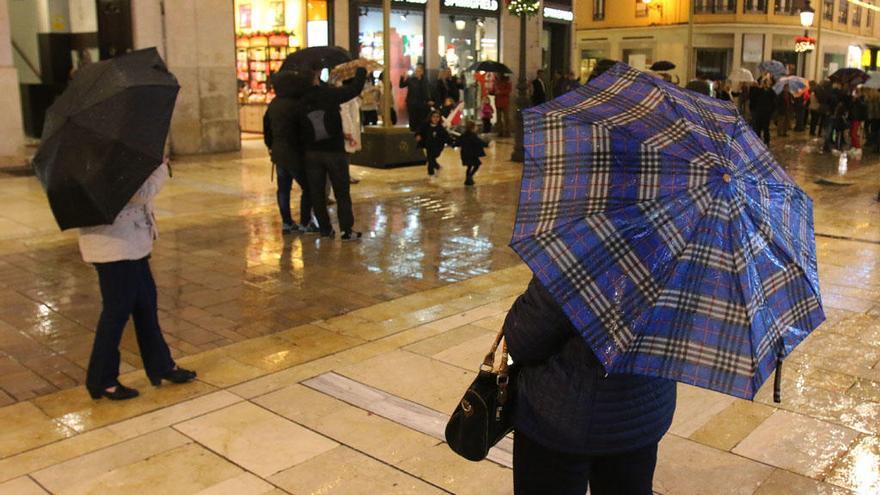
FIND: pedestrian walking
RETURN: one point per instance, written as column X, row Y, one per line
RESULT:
column 443, row 88
column 486, row 114
column 762, row 101
column 280, row 135
column 432, row 136
column 472, row 149
column 858, row 114
column 371, row 98
column 324, row 143
column 818, row 111
column 418, row 97
column 120, row 253
column 539, row 89
column 503, row 89
column 784, row 108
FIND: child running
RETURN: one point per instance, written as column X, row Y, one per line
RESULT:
column 433, row 137
column 472, row 148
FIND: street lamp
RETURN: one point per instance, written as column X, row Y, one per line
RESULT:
column 807, row 15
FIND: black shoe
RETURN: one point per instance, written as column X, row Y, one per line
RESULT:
column 121, row 393
column 350, row 235
column 176, row 375
column 289, row 228
column 309, row 229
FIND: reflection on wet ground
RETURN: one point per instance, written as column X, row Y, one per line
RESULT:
column 406, row 312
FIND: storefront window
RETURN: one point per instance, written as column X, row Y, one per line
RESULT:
column 467, row 39
column 407, row 37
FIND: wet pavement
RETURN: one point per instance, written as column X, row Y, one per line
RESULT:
column 324, row 366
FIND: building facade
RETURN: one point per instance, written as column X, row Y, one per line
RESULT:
column 223, row 51
column 728, row 34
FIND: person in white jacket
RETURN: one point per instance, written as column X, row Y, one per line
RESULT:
column 120, row 253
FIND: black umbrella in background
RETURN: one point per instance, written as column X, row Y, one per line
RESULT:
column 849, row 76
column 324, row 57
column 662, row 65
column 104, row 136
column 490, row 66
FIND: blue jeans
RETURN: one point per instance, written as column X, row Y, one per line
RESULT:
column 538, row 470
column 127, row 290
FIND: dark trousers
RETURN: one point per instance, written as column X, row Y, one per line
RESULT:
column 285, row 185
column 320, row 166
column 370, row 117
column 471, row 170
column 817, row 122
column 432, row 161
column 487, row 126
column 127, row 290
column 418, row 115
column 761, row 123
column 538, row 470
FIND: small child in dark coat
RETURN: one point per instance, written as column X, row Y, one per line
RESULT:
column 433, row 137
column 472, row 148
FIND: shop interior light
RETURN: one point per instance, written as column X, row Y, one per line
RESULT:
column 403, row 17
column 807, row 14
column 460, row 24
column 480, row 21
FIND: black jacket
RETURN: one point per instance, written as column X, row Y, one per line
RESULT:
column 762, row 101
column 327, row 99
column 433, row 138
column 418, row 91
column 281, row 121
column 471, row 149
column 565, row 400
column 539, row 91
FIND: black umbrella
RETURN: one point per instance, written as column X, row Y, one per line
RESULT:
column 104, row 136
column 849, row 76
column 490, row 66
column 662, row 65
column 317, row 57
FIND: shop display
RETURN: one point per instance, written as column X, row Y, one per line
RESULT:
column 257, row 57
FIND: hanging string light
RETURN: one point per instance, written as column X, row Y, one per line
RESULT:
column 523, row 7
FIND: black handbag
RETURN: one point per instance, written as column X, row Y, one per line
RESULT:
column 485, row 413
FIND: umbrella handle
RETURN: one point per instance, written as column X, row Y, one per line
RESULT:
column 777, row 381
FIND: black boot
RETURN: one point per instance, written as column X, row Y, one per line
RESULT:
column 121, row 393
column 174, row 375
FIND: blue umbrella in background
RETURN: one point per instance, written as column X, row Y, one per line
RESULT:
column 668, row 233
column 796, row 84
column 774, row 67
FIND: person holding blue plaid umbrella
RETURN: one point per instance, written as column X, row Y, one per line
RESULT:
column 667, row 245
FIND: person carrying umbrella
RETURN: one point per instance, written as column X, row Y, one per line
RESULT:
column 418, row 97
column 101, row 162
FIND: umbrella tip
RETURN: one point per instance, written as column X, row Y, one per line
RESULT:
column 726, row 178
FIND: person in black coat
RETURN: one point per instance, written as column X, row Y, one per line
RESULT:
column 575, row 425
column 418, row 97
column 539, row 89
column 280, row 134
column 472, row 148
column 433, row 137
column 762, row 102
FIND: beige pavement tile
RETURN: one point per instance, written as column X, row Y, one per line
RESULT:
column 469, row 354
column 347, row 424
column 291, row 347
column 345, row 471
column 24, row 426
column 859, row 470
column 256, row 439
column 54, row 453
column 797, row 443
column 866, row 389
column 76, row 475
column 695, row 407
column 413, row 377
column 219, row 368
column 442, row 467
column 835, row 407
column 76, row 410
column 783, row 482
column 21, row 486
column 447, row 339
column 243, row 484
column 727, row 428
column 688, row 468
column 173, row 414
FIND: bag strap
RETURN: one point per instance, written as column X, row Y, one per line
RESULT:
column 489, row 360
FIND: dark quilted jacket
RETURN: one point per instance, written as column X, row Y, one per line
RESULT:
column 565, row 400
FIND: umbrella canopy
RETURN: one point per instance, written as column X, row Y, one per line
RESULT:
column 667, row 232
column 343, row 72
column 490, row 66
column 850, row 76
column 323, row 57
column 874, row 81
column 773, row 67
column 662, row 65
column 796, row 84
column 104, row 136
column 742, row 75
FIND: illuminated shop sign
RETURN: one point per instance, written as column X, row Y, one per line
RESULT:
column 559, row 14
column 487, row 5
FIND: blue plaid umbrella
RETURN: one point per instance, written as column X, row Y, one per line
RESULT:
column 670, row 236
column 776, row 68
column 795, row 84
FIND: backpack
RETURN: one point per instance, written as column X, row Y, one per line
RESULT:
column 316, row 124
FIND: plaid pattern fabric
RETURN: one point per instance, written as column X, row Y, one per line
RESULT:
column 665, row 267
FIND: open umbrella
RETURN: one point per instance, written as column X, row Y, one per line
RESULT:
column 662, row 65
column 774, row 67
column 741, row 75
column 345, row 71
column 796, row 84
column 667, row 232
column 490, row 66
column 849, row 76
column 104, row 136
column 316, row 57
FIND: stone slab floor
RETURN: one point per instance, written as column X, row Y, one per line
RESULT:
column 330, row 368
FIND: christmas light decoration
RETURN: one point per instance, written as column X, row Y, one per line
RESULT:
column 523, row 7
